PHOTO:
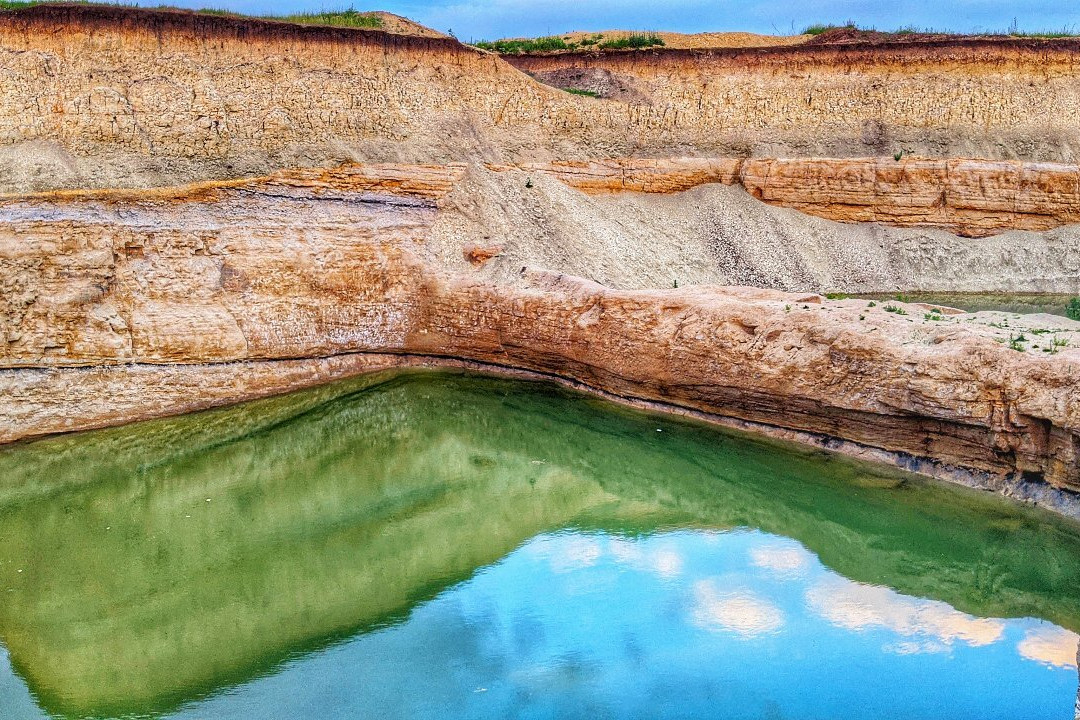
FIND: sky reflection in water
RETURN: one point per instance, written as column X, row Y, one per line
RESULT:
column 682, row 624
column 431, row 545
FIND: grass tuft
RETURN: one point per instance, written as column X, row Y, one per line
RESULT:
column 634, row 40
column 822, row 28
column 579, row 91
column 1012, row 31
column 1072, row 310
column 554, row 43
column 550, row 43
column 342, row 18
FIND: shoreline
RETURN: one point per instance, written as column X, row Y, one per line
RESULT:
column 356, row 365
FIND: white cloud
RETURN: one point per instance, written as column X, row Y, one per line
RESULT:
column 742, row 612
column 1051, row 646
column 664, row 561
column 929, row 623
column 573, row 553
column 785, row 561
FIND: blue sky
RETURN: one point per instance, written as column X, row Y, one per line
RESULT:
column 490, row 19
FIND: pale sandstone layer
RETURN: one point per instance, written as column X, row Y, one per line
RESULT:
column 982, row 97
column 115, row 303
column 969, row 197
column 108, row 96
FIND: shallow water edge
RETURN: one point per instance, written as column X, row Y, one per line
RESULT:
column 315, row 372
column 243, row 545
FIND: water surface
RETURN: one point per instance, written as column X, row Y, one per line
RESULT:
column 1021, row 303
column 441, row 545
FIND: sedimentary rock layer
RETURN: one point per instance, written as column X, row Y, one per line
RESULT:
column 972, row 198
column 990, row 98
column 116, row 295
column 159, row 97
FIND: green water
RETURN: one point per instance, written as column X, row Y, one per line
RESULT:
column 1022, row 303
column 294, row 550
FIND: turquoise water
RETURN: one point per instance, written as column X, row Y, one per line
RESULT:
column 433, row 545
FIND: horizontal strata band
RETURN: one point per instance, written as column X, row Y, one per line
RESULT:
column 112, row 284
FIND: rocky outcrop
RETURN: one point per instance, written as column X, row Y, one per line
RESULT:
column 117, row 96
column 110, row 301
column 972, row 198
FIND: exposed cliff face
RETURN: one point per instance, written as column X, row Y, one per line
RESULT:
column 122, row 304
column 161, row 97
column 972, row 198
column 155, row 289
column 980, row 97
column 106, row 96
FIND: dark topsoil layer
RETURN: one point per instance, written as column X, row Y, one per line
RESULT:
column 206, row 24
column 198, row 24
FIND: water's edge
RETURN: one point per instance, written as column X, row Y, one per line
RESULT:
column 354, row 365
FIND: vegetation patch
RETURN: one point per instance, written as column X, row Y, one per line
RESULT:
column 821, row 28
column 1072, row 310
column 343, row 18
column 634, row 40
column 523, row 46
column 1012, row 31
column 579, row 91
column 554, row 43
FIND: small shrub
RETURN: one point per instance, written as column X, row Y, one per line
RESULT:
column 934, row 314
column 342, row 18
column 551, row 43
column 579, row 91
column 634, row 40
column 837, row 296
column 1016, row 342
column 1072, row 310
column 871, row 304
column 1056, row 343
column 821, row 28
column 890, row 308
